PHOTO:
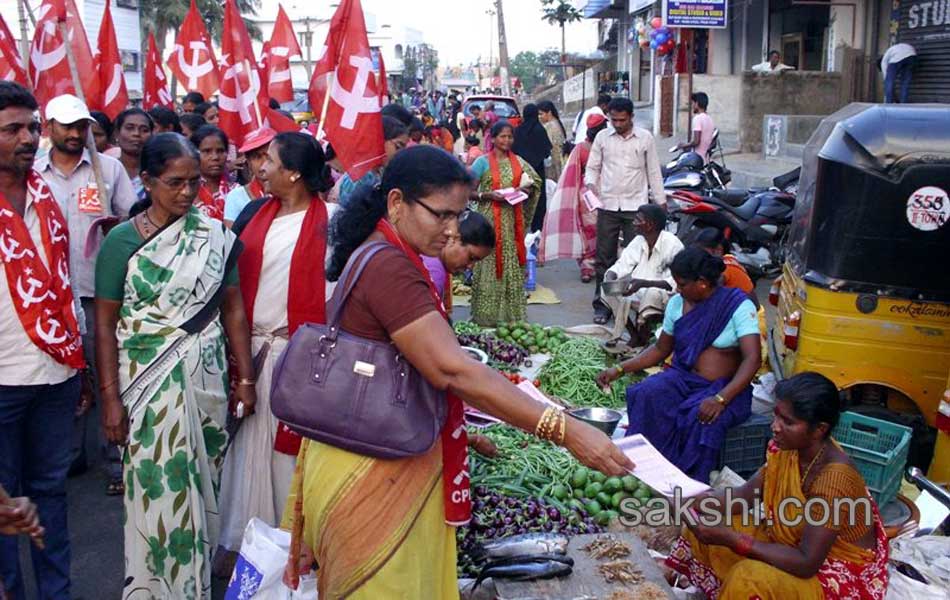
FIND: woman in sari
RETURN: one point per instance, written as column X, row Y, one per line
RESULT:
column 547, row 113
column 839, row 549
column 570, row 226
column 284, row 285
column 386, row 528
column 713, row 334
column 498, row 284
column 212, row 145
column 531, row 143
column 167, row 299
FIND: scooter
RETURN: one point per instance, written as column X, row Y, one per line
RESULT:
column 916, row 476
column 755, row 220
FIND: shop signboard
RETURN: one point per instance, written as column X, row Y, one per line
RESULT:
column 695, row 15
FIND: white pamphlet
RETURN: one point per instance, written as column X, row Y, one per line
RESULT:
column 655, row 470
column 512, row 195
column 591, row 201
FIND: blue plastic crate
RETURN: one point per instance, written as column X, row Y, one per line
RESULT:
column 879, row 450
column 743, row 450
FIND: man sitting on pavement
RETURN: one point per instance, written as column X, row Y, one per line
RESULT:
column 646, row 261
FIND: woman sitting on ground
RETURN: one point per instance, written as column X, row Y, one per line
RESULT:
column 714, row 242
column 712, row 332
column 839, row 552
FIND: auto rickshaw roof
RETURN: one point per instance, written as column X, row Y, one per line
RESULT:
column 854, row 225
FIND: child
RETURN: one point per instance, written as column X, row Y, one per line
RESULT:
column 472, row 150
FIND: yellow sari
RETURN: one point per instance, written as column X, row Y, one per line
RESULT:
column 848, row 572
column 377, row 527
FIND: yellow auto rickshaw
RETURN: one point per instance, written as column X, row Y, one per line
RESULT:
column 864, row 296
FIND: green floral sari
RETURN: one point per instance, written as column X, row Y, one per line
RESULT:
column 173, row 377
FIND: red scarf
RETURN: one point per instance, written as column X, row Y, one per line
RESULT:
column 455, row 476
column 516, row 173
column 42, row 300
column 306, row 296
column 212, row 205
column 255, row 189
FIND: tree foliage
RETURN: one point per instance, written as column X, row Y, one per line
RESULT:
column 533, row 68
column 560, row 12
column 162, row 16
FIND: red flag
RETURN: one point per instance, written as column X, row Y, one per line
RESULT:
column 192, row 61
column 115, row 96
column 155, row 85
column 283, row 45
column 352, row 120
column 49, row 67
column 238, row 108
column 11, row 67
column 263, row 70
column 383, row 83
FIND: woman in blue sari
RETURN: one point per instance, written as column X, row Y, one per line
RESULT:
column 713, row 333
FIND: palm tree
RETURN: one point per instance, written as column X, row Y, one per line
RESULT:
column 560, row 12
column 162, row 16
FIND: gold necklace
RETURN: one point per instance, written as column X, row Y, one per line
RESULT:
column 812, row 463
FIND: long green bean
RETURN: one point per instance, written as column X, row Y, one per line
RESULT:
column 572, row 375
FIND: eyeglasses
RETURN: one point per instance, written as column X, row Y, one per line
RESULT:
column 180, row 184
column 444, row 216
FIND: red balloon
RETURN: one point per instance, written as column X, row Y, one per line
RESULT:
column 656, row 22
column 670, row 45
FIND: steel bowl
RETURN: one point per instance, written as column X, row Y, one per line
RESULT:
column 477, row 353
column 605, row 419
column 615, row 287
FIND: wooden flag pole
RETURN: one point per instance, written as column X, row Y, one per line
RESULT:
column 326, row 104
column 90, row 141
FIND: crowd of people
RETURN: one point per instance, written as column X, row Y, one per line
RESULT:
column 161, row 273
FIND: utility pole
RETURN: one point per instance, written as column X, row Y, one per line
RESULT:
column 491, row 41
column 24, row 39
column 308, row 43
column 502, row 50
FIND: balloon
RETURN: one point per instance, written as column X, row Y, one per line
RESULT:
column 653, row 34
column 656, row 22
column 661, row 38
column 665, row 30
column 654, row 45
column 644, row 43
column 641, row 27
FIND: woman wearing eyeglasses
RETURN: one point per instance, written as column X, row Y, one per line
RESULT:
column 498, row 285
column 167, row 301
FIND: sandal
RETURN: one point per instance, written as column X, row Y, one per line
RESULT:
column 587, row 278
column 116, row 487
column 601, row 318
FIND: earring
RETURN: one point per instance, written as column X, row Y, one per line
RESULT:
column 294, row 178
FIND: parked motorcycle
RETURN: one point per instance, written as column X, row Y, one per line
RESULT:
column 689, row 172
column 754, row 220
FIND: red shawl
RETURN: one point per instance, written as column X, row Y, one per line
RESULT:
column 306, row 297
column 516, row 172
column 212, row 204
column 41, row 296
column 455, row 476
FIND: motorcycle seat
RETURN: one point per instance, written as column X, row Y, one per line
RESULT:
column 732, row 197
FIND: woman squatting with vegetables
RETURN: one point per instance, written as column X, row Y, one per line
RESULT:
column 386, row 528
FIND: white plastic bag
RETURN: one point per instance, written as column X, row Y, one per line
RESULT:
column 259, row 569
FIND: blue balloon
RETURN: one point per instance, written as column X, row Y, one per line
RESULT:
column 664, row 29
column 653, row 45
column 653, row 34
column 661, row 38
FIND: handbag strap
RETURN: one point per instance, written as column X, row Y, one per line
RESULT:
column 355, row 265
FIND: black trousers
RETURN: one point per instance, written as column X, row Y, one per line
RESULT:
column 610, row 226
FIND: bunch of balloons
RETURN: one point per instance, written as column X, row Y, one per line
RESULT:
column 642, row 33
column 661, row 38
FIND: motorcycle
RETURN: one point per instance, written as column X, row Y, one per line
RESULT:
column 689, row 172
column 755, row 221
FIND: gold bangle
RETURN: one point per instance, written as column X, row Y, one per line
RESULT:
column 620, row 371
column 562, row 428
column 720, row 399
column 547, row 424
column 246, row 382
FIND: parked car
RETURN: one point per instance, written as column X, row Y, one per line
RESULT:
column 505, row 107
column 299, row 107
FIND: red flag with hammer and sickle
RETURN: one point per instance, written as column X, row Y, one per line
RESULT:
column 154, row 84
column 192, row 61
column 238, row 108
column 350, row 112
column 283, row 45
column 49, row 66
column 115, row 96
column 11, row 67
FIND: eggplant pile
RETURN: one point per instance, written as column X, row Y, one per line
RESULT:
column 497, row 519
column 503, row 355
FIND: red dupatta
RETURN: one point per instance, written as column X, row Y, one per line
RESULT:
column 455, row 475
column 516, row 172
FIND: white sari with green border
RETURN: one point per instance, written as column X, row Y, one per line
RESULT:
column 174, row 385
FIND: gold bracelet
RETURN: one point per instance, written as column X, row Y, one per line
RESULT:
column 620, row 371
column 546, row 424
column 720, row 399
column 246, row 382
column 562, row 428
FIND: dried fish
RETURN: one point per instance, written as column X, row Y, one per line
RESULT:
column 607, row 546
column 622, row 571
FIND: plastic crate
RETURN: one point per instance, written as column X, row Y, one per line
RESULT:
column 743, row 451
column 879, row 450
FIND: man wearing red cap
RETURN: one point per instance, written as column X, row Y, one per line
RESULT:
column 254, row 149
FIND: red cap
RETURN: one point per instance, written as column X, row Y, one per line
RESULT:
column 257, row 138
column 594, row 120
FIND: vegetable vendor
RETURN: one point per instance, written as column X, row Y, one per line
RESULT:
column 713, row 334
column 474, row 242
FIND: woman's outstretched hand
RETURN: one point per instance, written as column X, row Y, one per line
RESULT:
column 594, row 449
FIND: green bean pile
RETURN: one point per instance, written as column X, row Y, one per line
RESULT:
column 571, row 374
column 525, row 465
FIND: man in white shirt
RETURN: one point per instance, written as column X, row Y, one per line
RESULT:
column 580, row 122
column 773, row 65
column 897, row 64
column 68, row 171
column 703, row 127
column 622, row 171
column 40, row 348
column 646, row 261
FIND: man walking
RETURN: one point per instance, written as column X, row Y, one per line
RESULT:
column 622, row 171
column 40, row 348
column 897, row 64
column 68, row 171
